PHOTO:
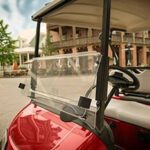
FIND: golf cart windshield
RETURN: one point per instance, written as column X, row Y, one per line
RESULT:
column 66, row 76
column 59, row 82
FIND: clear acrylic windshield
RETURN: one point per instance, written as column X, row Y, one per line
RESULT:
column 59, row 81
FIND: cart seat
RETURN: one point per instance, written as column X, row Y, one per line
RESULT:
column 144, row 89
column 130, row 112
column 144, row 81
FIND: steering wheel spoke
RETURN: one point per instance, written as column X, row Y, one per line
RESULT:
column 120, row 79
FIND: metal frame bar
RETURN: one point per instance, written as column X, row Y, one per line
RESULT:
column 102, row 74
column 36, row 54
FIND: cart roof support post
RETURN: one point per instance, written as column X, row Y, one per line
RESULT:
column 36, row 54
column 102, row 74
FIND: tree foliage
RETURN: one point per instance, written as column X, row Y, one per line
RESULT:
column 7, row 46
column 48, row 48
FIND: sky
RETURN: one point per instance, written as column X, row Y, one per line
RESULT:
column 17, row 14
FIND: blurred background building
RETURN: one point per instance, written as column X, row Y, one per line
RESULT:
column 25, row 45
column 133, row 49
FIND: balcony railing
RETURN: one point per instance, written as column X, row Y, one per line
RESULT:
column 128, row 39
column 95, row 40
column 139, row 40
column 147, row 41
column 76, row 42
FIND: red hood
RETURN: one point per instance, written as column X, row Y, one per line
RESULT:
column 36, row 128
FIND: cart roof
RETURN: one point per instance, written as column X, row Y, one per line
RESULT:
column 131, row 15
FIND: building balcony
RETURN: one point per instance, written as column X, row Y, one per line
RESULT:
column 76, row 42
column 116, row 39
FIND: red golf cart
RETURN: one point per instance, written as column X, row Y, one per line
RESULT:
column 71, row 104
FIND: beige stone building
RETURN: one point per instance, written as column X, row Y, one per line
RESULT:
column 72, row 39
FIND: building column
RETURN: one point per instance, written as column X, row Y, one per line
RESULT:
column 28, row 56
column 89, row 32
column 90, row 59
column 148, row 60
column 76, row 59
column 133, row 35
column 90, row 48
column 110, row 54
column 144, row 56
column 143, row 35
column 61, row 51
column 73, row 32
column 134, row 56
column 122, row 36
column 20, row 59
column 122, row 57
column 60, row 33
column 74, row 50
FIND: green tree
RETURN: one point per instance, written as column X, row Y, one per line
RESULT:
column 48, row 48
column 7, row 46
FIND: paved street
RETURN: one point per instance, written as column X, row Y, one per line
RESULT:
column 11, row 101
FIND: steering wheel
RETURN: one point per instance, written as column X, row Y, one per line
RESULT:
column 118, row 79
column 129, row 85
